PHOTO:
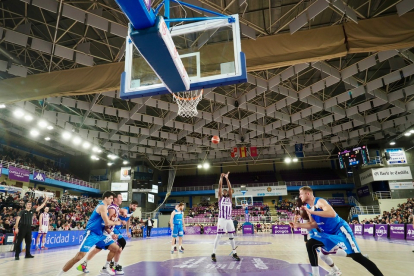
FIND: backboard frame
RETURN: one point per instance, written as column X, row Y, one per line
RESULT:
column 239, row 76
column 239, row 200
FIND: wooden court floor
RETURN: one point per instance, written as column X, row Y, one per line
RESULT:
column 262, row 255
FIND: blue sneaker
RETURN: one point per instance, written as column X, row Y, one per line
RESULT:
column 181, row 251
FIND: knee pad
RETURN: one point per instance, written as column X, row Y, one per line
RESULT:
column 122, row 243
column 326, row 259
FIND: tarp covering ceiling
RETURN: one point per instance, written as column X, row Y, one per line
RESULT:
column 378, row 34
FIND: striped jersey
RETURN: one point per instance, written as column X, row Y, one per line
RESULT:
column 225, row 207
column 45, row 219
column 116, row 208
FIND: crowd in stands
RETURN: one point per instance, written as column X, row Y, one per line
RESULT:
column 403, row 214
column 29, row 161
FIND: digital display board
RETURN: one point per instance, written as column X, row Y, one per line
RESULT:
column 353, row 157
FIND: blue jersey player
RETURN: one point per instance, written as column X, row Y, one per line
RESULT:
column 177, row 226
column 329, row 232
column 94, row 234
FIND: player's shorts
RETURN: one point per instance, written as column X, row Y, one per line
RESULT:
column 342, row 239
column 92, row 239
column 118, row 232
column 43, row 229
column 225, row 225
column 178, row 231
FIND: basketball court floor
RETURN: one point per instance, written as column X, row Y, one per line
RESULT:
column 261, row 255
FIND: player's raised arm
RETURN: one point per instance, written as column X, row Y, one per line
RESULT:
column 229, row 185
column 220, row 191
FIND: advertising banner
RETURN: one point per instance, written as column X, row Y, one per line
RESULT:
column 248, row 229
column 358, row 229
column 125, row 173
column 210, row 230
column 400, row 185
column 260, row 191
column 157, row 232
column 363, row 191
column 410, row 232
column 39, row 176
column 369, row 229
column 64, row 238
column 397, row 231
column 397, row 156
column 119, row 186
column 387, row 173
column 381, row 230
column 18, row 174
column 193, row 230
column 281, row 229
column 337, row 201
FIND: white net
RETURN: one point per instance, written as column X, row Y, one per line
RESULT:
column 187, row 102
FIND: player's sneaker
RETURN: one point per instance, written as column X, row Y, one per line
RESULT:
column 37, row 248
column 213, row 257
column 82, row 267
column 112, row 265
column 334, row 272
column 235, row 257
column 118, row 270
column 181, row 251
column 44, row 248
column 107, row 271
column 172, row 251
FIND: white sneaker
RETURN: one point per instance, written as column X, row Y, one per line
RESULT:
column 107, row 271
column 333, row 272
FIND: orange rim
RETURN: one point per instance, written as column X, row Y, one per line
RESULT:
column 189, row 99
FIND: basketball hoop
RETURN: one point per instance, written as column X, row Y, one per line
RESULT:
column 187, row 102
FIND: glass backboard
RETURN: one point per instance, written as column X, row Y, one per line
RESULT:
column 210, row 51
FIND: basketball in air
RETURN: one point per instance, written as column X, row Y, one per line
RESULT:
column 215, row 139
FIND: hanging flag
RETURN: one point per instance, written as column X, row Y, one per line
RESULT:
column 235, row 152
column 243, row 152
column 253, row 151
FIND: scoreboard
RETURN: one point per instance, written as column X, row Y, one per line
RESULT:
column 353, row 157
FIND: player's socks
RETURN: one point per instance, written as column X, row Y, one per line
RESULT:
column 107, row 264
column 172, row 249
column 315, row 271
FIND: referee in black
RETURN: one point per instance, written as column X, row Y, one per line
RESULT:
column 23, row 228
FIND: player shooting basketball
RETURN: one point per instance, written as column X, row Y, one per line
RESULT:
column 225, row 222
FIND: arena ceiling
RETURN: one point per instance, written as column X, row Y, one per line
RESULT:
column 325, row 105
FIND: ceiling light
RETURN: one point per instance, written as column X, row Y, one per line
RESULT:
column 392, row 143
column 295, row 159
column 66, row 135
column 42, row 124
column 412, row 131
column 407, row 133
column 288, row 160
column 93, row 157
column 47, row 138
column 18, row 113
column 99, row 150
column 86, row 145
column 2, row 106
column 95, row 149
column 77, row 140
column 199, row 166
column 28, row 117
column 125, row 162
column 49, row 127
column 110, row 164
column 206, row 165
column 34, row 132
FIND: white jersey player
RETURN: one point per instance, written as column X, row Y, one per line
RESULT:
column 43, row 228
column 225, row 222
